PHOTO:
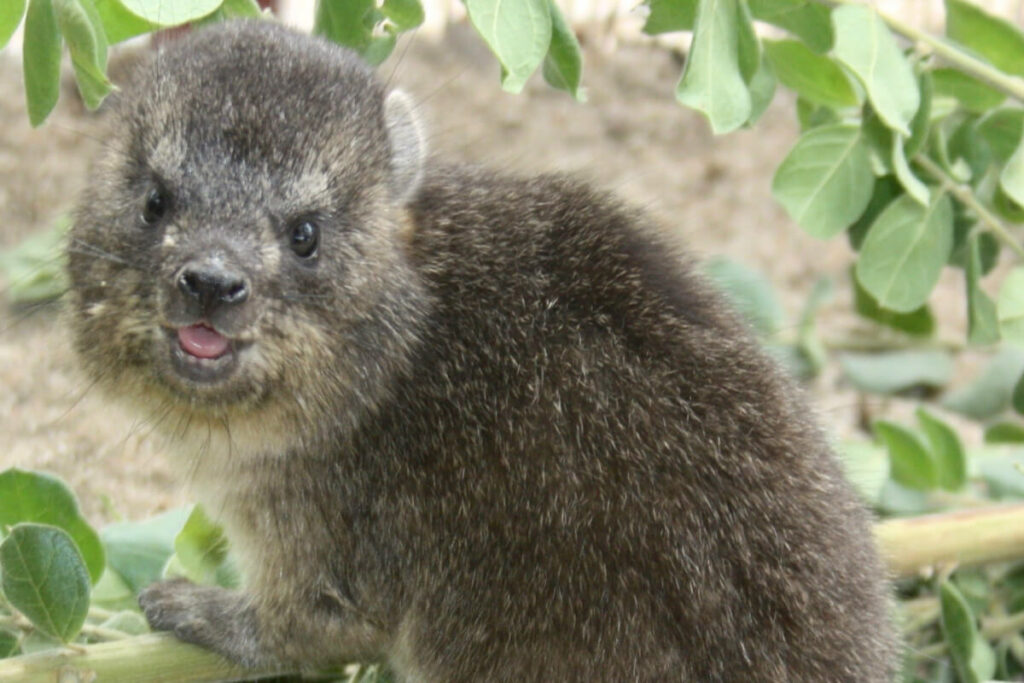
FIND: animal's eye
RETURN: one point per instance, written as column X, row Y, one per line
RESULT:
column 155, row 206
column 304, row 238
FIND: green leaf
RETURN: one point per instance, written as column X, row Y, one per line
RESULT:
column 885, row 189
column 712, row 80
column 202, row 549
column 126, row 621
column 813, row 116
column 343, row 22
column 879, row 139
column 1011, row 307
column 379, row 48
column 80, row 25
column 995, row 39
column 112, row 593
column 762, row 90
column 895, row 371
column 41, row 60
column 241, row 8
column 920, row 126
column 404, row 14
column 518, row 33
column 809, row 344
column 166, row 13
column 971, row 154
column 1002, row 129
column 668, row 16
column 896, row 500
column 8, row 644
column 990, row 392
column 975, row 96
column 1017, row 397
column 748, row 45
column 911, row 183
column 904, row 252
column 919, row 323
column 35, row 267
column 982, row 315
column 27, row 496
column 825, row 181
column 972, row 655
column 11, row 13
column 138, row 551
column 814, row 77
column 1012, row 177
column 45, row 579
column 749, row 292
column 910, row 463
column 1006, row 207
column 808, row 21
column 865, row 45
column 1004, row 433
column 563, row 65
column 118, row 23
column 866, row 466
column 1003, row 474
column 947, row 451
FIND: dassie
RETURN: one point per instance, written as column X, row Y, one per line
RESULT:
column 480, row 427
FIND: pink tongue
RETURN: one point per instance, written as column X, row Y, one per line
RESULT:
column 202, row 341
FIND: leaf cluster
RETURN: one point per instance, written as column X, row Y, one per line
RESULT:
column 62, row 582
column 89, row 27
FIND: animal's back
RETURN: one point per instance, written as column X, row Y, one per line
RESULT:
column 618, row 485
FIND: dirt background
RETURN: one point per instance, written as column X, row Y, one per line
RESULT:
column 631, row 137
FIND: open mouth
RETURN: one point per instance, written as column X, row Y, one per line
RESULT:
column 201, row 353
column 201, row 341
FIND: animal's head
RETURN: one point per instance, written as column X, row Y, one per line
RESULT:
column 240, row 240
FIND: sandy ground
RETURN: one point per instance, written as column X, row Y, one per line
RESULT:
column 631, row 137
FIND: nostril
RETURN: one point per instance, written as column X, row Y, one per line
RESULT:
column 189, row 284
column 235, row 292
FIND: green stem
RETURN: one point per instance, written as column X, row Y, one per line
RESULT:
column 99, row 614
column 105, row 634
column 883, row 341
column 920, row 613
column 1003, row 626
column 954, row 539
column 153, row 657
column 1010, row 85
column 965, row 195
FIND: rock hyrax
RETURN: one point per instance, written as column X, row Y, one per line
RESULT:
column 483, row 428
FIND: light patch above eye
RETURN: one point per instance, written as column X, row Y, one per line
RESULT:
column 312, row 184
column 168, row 153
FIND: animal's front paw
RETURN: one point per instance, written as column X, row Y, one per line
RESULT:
column 183, row 608
column 211, row 617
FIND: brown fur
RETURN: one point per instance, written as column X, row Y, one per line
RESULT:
column 494, row 431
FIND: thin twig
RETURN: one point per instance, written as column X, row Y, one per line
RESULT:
column 965, row 195
column 1009, row 85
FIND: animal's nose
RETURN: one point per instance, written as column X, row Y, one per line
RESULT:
column 212, row 285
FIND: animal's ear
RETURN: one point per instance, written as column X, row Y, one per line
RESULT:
column 408, row 148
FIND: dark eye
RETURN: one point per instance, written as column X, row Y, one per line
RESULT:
column 304, row 238
column 155, row 207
